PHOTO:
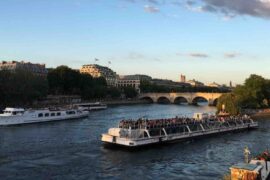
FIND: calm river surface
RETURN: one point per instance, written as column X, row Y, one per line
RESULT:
column 72, row 149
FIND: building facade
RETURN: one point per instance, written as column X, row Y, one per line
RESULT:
column 169, row 83
column 37, row 69
column 214, row 84
column 195, row 83
column 129, row 81
column 100, row 71
column 182, row 78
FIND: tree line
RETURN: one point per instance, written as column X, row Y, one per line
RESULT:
column 20, row 87
column 253, row 94
column 148, row 87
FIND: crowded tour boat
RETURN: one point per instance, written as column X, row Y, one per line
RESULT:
column 142, row 132
column 14, row 116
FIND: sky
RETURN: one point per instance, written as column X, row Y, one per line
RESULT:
column 207, row 40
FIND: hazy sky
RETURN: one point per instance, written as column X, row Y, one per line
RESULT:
column 209, row 40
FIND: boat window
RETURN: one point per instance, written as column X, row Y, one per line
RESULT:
column 46, row 114
column 14, row 113
column 52, row 114
column 58, row 114
column 70, row 112
column 40, row 115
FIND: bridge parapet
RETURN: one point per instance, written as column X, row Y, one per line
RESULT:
column 190, row 98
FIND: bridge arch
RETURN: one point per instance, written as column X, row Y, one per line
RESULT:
column 180, row 100
column 215, row 101
column 200, row 100
column 163, row 100
column 147, row 99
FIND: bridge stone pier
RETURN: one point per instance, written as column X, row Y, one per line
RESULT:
column 190, row 98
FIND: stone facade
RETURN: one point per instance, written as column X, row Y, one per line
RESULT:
column 130, row 80
column 100, row 71
column 38, row 69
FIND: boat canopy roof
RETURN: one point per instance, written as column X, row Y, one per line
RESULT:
column 14, row 109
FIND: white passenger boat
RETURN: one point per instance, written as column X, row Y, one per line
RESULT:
column 92, row 106
column 145, row 132
column 14, row 116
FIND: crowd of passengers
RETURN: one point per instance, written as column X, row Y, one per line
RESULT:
column 178, row 121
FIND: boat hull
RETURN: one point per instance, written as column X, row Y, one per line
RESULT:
column 17, row 120
column 172, row 138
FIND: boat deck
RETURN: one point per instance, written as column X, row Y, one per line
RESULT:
column 160, row 134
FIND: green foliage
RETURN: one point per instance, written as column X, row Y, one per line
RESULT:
column 254, row 93
column 230, row 102
column 21, row 87
column 130, row 92
column 114, row 92
column 64, row 80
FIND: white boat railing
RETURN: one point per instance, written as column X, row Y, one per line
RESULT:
column 203, row 131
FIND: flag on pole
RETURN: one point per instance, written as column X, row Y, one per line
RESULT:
column 109, row 62
column 96, row 59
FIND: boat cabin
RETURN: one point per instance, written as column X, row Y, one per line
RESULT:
column 200, row 116
column 13, row 111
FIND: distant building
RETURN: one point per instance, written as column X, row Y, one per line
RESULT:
column 100, row 71
column 195, row 83
column 182, row 78
column 169, row 83
column 129, row 81
column 213, row 84
column 231, row 84
column 143, row 77
column 37, row 69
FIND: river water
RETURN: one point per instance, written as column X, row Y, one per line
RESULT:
column 72, row 149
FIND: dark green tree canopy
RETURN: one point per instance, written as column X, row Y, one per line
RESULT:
column 254, row 93
column 21, row 87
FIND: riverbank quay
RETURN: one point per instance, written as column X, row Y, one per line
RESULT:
column 112, row 102
column 124, row 102
column 258, row 114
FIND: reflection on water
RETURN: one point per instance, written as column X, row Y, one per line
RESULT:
column 72, row 149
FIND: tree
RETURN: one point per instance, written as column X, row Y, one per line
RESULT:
column 21, row 87
column 255, row 92
column 228, row 100
column 130, row 92
column 64, row 80
column 114, row 92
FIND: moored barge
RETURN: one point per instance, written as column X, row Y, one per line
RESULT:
column 146, row 132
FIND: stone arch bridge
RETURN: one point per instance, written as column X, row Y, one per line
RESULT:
column 190, row 98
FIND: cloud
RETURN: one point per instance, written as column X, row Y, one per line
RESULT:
column 135, row 55
column 151, row 9
column 232, row 8
column 153, row 1
column 228, row 8
column 198, row 55
column 231, row 55
column 130, row 1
